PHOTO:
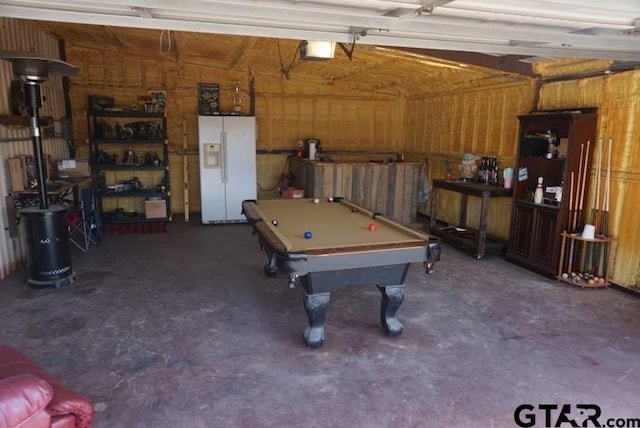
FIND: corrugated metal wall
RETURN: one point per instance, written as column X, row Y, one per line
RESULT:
column 18, row 35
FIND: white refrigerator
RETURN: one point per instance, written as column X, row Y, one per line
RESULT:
column 227, row 147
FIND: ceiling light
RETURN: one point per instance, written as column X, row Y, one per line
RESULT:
column 317, row 50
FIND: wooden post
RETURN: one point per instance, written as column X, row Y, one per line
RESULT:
column 185, row 169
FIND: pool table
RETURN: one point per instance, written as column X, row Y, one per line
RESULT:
column 342, row 250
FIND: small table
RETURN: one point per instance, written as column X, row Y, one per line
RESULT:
column 342, row 251
column 466, row 188
column 58, row 193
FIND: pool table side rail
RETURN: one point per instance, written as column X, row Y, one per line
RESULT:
column 413, row 232
column 276, row 240
column 383, row 219
column 365, row 248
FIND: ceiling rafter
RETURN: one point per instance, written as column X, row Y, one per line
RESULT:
column 245, row 49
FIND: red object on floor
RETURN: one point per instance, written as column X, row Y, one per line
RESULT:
column 31, row 397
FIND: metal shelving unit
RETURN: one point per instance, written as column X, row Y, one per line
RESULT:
column 130, row 164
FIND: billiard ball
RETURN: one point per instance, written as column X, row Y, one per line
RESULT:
column 274, row 222
column 307, row 235
column 372, row 227
column 354, row 210
column 330, row 199
column 316, row 201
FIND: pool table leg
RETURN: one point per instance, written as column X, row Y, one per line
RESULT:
column 315, row 305
column 392, row 297
column 271, row 268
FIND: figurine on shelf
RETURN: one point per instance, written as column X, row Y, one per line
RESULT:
column 130, row 158
column 448, row 174
column 539, row 193
column 468, row 166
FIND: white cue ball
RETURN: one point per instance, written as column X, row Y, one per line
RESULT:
column 330, row 199
column 316, row 201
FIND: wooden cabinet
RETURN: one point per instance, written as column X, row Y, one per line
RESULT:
column 534, row 241
column 533, row 232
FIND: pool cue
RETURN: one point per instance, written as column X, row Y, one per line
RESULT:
column 605, row 213
column 574, row 207
column 593, row 248
column 595, row 215
column 581, row 204
column 574, row 223
column 569, row 261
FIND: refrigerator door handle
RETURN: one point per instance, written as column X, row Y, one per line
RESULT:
column 223, row 139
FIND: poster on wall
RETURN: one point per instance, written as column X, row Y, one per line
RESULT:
column 209, row 98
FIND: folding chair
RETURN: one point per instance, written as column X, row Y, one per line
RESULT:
column 84, row 221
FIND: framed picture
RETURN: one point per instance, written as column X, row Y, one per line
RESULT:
column 208, row 99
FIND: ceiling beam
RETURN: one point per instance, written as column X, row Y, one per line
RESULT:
column 428, row 32
column 507, row 63
column 242, row 56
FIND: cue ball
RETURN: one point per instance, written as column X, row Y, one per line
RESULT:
column 274, row 222
column 372, row 227
column 307, row 235
column 330, row 199
column 316, row 201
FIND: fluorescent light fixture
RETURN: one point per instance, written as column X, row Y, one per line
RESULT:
column 317, row 50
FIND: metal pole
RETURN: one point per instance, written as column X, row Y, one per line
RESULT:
column 34, row 99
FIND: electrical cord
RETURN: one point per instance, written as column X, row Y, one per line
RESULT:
column 284, row 170
column 286, row 70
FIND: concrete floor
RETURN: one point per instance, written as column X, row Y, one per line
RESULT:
column 182, row 329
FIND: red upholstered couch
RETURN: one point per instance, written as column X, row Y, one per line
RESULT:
column 32, row 398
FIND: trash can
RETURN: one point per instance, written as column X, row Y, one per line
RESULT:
column 49, row 254
column 433, row 253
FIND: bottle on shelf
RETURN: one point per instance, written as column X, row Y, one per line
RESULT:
column 539, row 193
column 495, row 171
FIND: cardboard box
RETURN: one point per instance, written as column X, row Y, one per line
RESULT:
column 28, row 171
column 155, row 209
column 292, row 193
column 15, row 174
column 74, row 168
column 22, row 171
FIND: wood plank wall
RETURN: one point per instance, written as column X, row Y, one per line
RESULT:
column 389, row 188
